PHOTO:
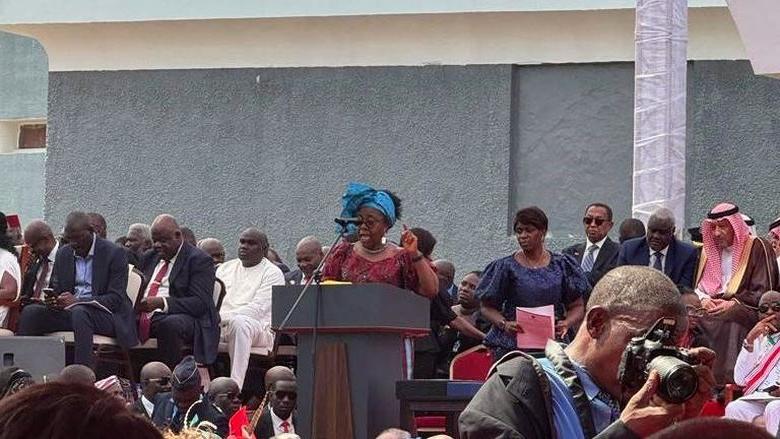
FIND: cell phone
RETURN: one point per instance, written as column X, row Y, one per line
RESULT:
column 771, row 388
column 49, row 292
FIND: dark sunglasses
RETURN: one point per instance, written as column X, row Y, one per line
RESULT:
column 280, row 394
column 229, row 395
column 164, row 381
column 598, row 221
column 765, row 307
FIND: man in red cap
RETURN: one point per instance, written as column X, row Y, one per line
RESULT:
column 735, row 269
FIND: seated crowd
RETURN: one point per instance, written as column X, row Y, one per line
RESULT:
column 717, row 291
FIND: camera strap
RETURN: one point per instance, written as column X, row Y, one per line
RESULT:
column 566, row 370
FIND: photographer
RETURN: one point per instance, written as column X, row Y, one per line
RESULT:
column 577, row 391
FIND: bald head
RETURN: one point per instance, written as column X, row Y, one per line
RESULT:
column 309, row 243
column 637, row 291
column 40, row 238
column 223, row 393
column 394, row 433
column 166, row 236
column 155, row 378
column 445, row 270
column 278, row 373
column 77, row 374
column 155, row 369
column 213, row 248
column 308, row 255
column 78, row 232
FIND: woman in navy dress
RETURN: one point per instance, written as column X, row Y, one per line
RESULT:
column 533, row 276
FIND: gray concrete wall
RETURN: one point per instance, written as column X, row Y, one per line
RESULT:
column 572, row 143
column 225, row 149
column 22, row 184
column 24, row 69
column 733, row 140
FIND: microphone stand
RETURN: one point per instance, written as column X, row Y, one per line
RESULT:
column 316, row 277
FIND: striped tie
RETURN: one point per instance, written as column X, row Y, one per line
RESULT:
column 589, row 260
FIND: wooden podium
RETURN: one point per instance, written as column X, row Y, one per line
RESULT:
column 360, row 355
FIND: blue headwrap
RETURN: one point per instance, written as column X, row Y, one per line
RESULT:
column 360, row 195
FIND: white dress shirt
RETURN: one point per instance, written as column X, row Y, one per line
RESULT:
column 595, row 252
column 248, row 289
column 277, row 421
column 663, row 258
column 165, row 285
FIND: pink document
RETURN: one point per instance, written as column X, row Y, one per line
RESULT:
column 538, row 326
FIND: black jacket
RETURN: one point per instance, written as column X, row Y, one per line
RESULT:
column 293, row 277
column 109, row 284
column 164, row 417
column 192, row 292
column 516, row 403
column 265, row 427
column 605, row 261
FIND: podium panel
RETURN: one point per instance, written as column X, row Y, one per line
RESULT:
column 371, row 321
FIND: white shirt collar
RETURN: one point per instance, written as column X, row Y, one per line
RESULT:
column 598, row 244
column 53, row 253
column 277, row 421
column 148, row 405
column 663, row 252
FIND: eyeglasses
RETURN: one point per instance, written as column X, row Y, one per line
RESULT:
column 694, row 311
column 368, row 221
column 598, row 221
column 280, row 394
column 229, row 395
column 164, row 381
column 765, row 307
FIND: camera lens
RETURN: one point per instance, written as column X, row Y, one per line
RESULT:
column 679, row 381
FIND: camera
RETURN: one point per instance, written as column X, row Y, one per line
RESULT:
column 654, row 350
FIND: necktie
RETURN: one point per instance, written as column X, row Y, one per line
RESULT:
column 145, row 323
column 40, row 283
column 589, row 260
column 285, row 427
column 657, row 264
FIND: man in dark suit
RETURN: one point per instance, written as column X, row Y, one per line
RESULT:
column 155, row 378
column 279, row 417
column 187, row 396
column 661, row 250
column 44, row 246
column 598, row 254
column 178, row 307
column 308, row 253
column 90, row 283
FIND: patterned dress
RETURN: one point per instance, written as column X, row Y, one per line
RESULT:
column 506, row 285
column 345, row 264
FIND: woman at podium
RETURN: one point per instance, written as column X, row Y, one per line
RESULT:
column 372, row 258
column 531, row 277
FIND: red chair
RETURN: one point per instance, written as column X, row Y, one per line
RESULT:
column 471, row 365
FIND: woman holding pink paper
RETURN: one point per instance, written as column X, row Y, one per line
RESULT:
column 531, row 277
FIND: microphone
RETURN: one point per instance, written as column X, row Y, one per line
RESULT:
column 343, row 222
